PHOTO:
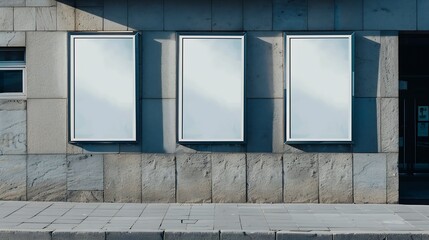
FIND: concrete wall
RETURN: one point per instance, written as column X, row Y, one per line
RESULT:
column 37, row 163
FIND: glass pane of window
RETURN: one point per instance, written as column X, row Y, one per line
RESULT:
column 319, row 79
column 10, row 81
column 212, row 89
column 8, row 54
column 103, row 88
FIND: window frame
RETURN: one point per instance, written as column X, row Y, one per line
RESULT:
column 135, row 36
column 15, row 65
column 179, row 116
column 309, row 35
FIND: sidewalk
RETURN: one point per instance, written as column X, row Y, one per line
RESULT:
column 60, row 220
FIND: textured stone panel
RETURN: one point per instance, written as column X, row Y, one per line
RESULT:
column 84, row 196
column 6, row 19
column 366, row 125
column 65, row 17
column 12, row 105
column 85, row 172
column 41, row 3
column 145, row 15
column 392, row 178
column 46, row 126
column 367, row 59
column 264, row 72
column 335, row 178
column 264, row 178
column 187, row 15
column 137, row 235
column 389, row 15
column 290, row 15
column 46, row 18
column 422, row 16
column 360, row 235
column 13, row 175
column 348, row 15
column 89, row 19
column 229, row 177
column 369, row 181
column 159, row 125
column 257, row 15
column 46, row 178
column 27, row 234
column 122, row 178
column 12, row 3
column 303, row 235
column 301, row 178
column 194, row 178
column 12, row 39
column 265, row 118
column 13, row 128
column 159, row 65
column 321, row 14
column 389, row 65
column 389, row 124
column 115, row 15
column 237, row 235
column 24, row 19
column 227, row 15
column 78, row 235
column 47, row 78
column 191, row 235
column 158, row 178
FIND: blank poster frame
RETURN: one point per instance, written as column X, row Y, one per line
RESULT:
column 326, row 35
column 181, row 36
column 136, row 83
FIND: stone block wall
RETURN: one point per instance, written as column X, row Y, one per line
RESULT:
column 38, row 163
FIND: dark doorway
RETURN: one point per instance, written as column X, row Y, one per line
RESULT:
column 414, row 118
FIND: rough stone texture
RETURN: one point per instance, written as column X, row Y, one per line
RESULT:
column 264, row 72
column 283, row 235
column 389, row 15
column 321, row 14
column 348, row 15
column 229, row 177
column 145, row 15
column 389, row 65
column 6, row 19
column 47, row 78
column 367, row 59
column 46, row 18
column 389, row 124
column 78, row 235
column 392, row 178
column 366, row 126
column 24, row 19
column 85, row 172
column 301, row 178
column 41, row 3
column 12, row 39
column 13, row 174
column 290, row 15
column 158, row 178
column 159, row 127
column 191, row 235
column 422, row 16
column 115, row 15
column 25, row 235
column 358, row 236
column 46, row 126
column 227, row 15
column 265, row 118
column 12, row 3
column 46, row 178
column 257, row 15
column 159, row 65
column 335, row 178
column 187, row 15
column 89, row 19
column 13, row 127
column 122, row 178
column 264, row 178
column 65, row 17
column 85, row 196
column 369, row 183
column 236, row 235
column 194, row 178
column 152, row 235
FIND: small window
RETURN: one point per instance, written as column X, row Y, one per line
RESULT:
column 211, row 88
column 12, row 72
column 319, row 88
column 103, row 91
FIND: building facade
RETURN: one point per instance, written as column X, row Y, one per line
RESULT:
column 38, row 163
